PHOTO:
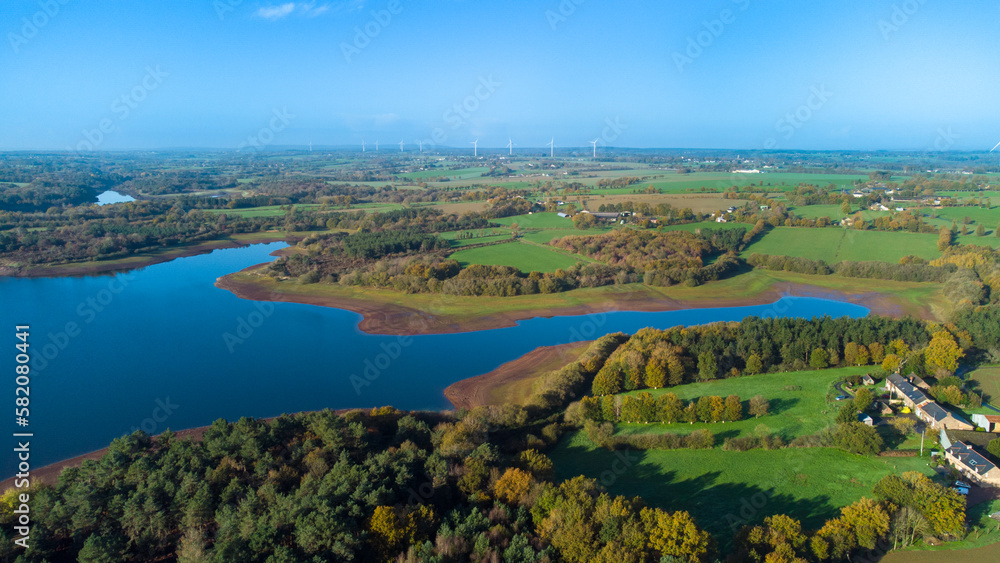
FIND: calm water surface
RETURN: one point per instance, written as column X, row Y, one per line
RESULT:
column 158, row 348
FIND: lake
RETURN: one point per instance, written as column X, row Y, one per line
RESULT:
column 163, row 347
column 111, row 196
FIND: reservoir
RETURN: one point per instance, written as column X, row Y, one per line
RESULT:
column 149, row 349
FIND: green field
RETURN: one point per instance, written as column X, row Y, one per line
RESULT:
column 834, row 212
column 987, row 380
column 546, row 235
column 692, row 227
column 833, row 244
column 264, row 211
column 793, row 412
column 521, row 255
column 537, row 221
column 715, row 486
column 460, row 174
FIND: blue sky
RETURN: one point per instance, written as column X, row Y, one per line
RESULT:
column 852, row 74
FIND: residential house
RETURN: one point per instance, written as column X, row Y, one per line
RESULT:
column 972, row 464
column 868, row 379
column 903, row 389
column 866, row 419
column 938, row 417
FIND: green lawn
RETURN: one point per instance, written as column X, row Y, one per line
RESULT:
column 833, row 244
column 720, row 489
column 793, row 412
column 523, row 256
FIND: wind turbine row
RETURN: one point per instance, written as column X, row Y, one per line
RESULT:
column 510, row 146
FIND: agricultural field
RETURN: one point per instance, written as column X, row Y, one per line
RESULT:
column 834, row 212
column 944, row 216
column 263, row 211
column 524, row 256
column 834, row 244
column 460, row 174
column 800, row 403
column 719, row 487
column 694, row 227
column 546, row 235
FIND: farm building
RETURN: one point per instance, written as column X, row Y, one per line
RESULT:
column 988, row 422
column 561, row 214
column 866, row 419
column 868, row 379
column 972, row 464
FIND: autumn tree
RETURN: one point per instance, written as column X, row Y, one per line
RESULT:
column 753, row 364
column 512, row 487
column 759, row 406
column 877, row 352
column 734, row 409
column 819, row 358
column 943, row 352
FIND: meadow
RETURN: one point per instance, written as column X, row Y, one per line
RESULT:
column 834, row 244
column 523, row 256
column 801, row 403
column 724, row 490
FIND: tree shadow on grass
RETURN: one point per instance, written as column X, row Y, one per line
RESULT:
column 720, row 508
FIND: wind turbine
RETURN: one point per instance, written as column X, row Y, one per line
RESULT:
column 421, row 144
column 362, row 145
column 510, row 146
column 376, row 145
column 400, row 145
column 552, row 147
column 594, row 142
column 475, row 148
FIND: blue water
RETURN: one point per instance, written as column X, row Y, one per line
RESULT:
column 149, row 349
column 110, row 196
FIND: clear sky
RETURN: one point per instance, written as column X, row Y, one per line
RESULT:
column 789, row 74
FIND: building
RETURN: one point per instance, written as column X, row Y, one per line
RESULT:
column 919, row 383
column 938, row 417
column 561, row 214
column 868, row 379
column 904, row 390
column 972, row 464
column 721, row 219
column 866, row 419
column 988, row 422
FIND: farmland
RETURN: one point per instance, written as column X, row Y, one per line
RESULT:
column 833, row 245
column 523, row 256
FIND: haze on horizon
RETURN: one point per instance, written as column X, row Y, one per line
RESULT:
column 740, row 74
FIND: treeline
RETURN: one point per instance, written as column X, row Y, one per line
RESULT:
column 654, row 358
column 644, row 408
column 909, row 271
column 906, row 509
column 321, row 487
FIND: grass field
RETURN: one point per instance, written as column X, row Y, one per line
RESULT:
column 720, row 488
column 523, row 256
column 793, row 412
column 692, row 227
column 537, row 221
column 546, row 235
column 987, row 380
column 834, row 245
column 834, row 212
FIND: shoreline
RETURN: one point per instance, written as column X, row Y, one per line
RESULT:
column 476, row 391
column 129, row 263
column 397, row 320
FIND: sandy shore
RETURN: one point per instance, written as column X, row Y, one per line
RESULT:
column 479, row 391
column 391, row 319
